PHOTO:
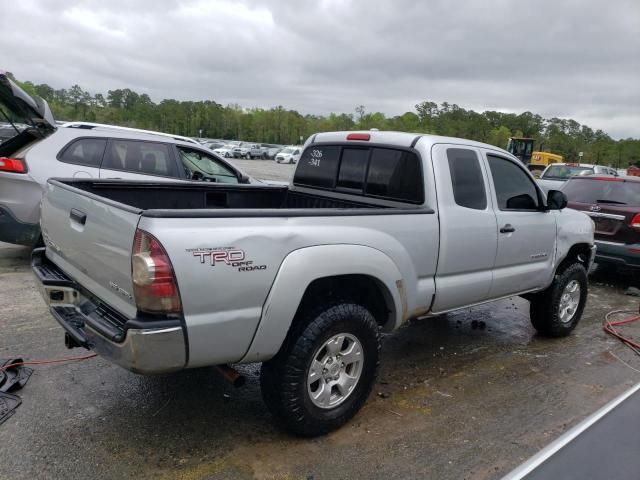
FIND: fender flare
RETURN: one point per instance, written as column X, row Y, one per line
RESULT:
column 303, row 266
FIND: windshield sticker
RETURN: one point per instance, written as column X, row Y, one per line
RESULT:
column 225, row 256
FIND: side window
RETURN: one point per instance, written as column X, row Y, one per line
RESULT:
column 514, row 189
column 84, row 151
column 466, row 178
column 394, row 174
column 142, row 157
column 353, row 168
column 202, row 166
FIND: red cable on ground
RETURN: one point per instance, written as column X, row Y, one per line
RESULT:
column 609, row 327
column 49, row 361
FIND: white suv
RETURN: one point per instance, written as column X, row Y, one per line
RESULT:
column 84, row 150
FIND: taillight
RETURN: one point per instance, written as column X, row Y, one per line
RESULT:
column 13, row 165
column 635, row 221
column 359, row 136
column 154, row 284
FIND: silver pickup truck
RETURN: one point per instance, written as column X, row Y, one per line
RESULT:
column 376, row 228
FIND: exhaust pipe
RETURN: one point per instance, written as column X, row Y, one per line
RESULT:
column 231, row 375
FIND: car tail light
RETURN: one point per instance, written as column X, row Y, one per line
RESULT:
column 13, row 165
column 635, row 221
column 154, row 283
column 359, row 136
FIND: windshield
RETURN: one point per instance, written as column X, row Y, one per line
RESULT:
column 288, row 150
column 202, row 167
column 562, row 172
column 613, row 191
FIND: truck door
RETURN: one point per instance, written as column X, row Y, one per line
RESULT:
column 468, row 228
column 526, row 233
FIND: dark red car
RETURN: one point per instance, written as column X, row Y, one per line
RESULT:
column 614, row 205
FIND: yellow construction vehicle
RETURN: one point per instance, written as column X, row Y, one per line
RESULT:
column 536, row 161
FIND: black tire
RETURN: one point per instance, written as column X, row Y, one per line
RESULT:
column 283, row 379
column 544, row 308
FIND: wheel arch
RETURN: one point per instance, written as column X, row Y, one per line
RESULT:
column 579, row 252
column 307, row 276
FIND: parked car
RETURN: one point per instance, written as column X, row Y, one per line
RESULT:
column 258, row 151
column 247, row 150
column 304, row 277
column 289, row 155
column 614, row 206
column 273, row 150
column 214, row 145
column 225, row 151
column 86, row 150
column 554, row 176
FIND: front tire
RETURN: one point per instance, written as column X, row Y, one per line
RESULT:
column 556, row 311
column 325, row 370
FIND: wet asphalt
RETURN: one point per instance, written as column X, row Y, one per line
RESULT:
column 453, row 400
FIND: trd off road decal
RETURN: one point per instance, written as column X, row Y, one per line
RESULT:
column 225, row 256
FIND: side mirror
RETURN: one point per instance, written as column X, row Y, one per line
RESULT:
column 556, row 200
column 242, row 178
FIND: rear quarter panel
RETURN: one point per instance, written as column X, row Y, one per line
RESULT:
column 223, row 305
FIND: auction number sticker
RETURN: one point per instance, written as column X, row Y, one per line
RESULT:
column 316, row 156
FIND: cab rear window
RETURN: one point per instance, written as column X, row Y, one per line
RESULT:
column 382, row 172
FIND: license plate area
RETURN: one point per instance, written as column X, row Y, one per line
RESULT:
column 605, row 225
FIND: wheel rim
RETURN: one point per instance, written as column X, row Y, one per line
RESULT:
column 569, row 301
column 335, row 370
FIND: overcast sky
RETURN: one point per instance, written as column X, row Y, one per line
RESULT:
column 575, row 59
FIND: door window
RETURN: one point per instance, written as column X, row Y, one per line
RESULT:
column 395, row 174
column 514, row 189
column 201, row 166
column 84, row 151
column 466, row 178
column 149, row 158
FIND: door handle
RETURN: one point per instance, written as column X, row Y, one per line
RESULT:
column 78, row 216
column 508, row 228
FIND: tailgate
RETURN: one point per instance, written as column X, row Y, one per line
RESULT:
column 90, row 239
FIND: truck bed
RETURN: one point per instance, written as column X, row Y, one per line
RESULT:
column 171, row 199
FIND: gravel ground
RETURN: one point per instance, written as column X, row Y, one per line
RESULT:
column 452, row 401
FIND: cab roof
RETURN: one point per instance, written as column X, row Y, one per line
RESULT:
column 400, row 139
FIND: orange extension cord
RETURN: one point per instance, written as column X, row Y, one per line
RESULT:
column 45, row 362
column 609, row 326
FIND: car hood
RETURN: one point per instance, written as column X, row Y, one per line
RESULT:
column 31, row 110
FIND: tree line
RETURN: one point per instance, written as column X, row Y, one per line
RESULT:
column 279, row 125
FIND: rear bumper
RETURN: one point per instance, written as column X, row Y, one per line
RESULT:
column 621, row 254
column 139, row 345
column 13, row 230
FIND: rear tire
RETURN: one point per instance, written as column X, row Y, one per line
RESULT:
column 556, row 311
column 325, row 370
